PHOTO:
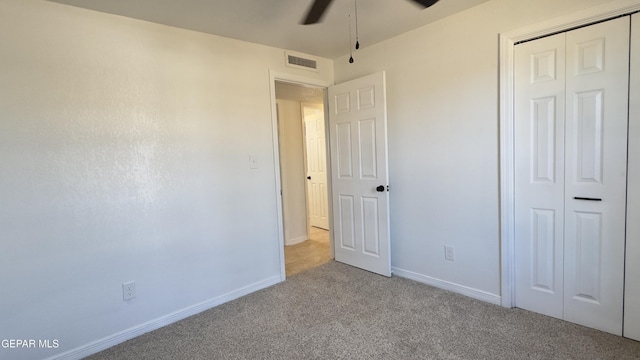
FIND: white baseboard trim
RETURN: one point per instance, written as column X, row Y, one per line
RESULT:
column 296, row 240
column 120, row 337
column 446, row 285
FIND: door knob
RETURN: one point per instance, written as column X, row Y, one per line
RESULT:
column 308, row 177
column 380, row 188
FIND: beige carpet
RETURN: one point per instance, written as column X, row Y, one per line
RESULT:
column 335, row 311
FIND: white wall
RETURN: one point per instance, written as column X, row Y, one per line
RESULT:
column 292, row 171
column 632, row 268
column 442, row 88
column 125, row 157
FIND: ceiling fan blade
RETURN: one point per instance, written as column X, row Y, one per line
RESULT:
column 316, row 11
column 425, row 3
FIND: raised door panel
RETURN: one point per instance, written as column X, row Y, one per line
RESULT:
column 589, row 56
column 370, row 226
column 345, row 233
column 544, row 65
column 587, row 125
column 368, row 155
column 543, row 142
column 539, row 181
column 366, row 97
column 344, row 150
column 588, row 261
column 543, row 241
column 342, row 102
column 596, row 164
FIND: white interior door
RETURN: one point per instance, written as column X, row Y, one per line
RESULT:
column 358, row 138
column 316, row 166
column 571, row 161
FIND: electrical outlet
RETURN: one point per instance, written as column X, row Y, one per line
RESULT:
column 129, row 290
column 448, row 253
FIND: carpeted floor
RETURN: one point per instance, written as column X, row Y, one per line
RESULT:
column 335, row 311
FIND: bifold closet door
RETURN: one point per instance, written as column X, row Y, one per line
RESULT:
column 571, row 156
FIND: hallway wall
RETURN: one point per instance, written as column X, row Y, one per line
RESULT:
column 292, row 171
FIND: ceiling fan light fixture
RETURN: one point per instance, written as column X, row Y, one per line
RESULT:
column 425, row 3
column 316, row 12
column 319, row 7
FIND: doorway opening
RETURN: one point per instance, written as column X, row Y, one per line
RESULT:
column 300, row 111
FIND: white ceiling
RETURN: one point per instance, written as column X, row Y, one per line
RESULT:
column 277, row 22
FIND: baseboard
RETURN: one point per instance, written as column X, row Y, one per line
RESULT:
column 120, row 337
column 296, row 240
column 446, row 285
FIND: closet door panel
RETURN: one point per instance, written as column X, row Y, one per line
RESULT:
column 597, row 78
column 539, row 175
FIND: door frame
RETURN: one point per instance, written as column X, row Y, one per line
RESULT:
column 506, row 120
column 298, row 80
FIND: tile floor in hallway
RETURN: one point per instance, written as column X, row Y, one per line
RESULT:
column 307, row 254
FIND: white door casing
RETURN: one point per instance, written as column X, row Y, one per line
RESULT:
column 275, row 76
column 570, row 174
column 358, row 140
column 315, row 146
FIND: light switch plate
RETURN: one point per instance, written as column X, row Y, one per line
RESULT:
column 448, row 253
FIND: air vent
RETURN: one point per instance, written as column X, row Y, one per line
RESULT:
column 301, row 61
column 308, row 63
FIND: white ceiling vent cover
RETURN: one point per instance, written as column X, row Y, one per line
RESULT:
column 301, row 61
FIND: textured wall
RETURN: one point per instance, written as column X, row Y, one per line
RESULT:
column 125, row 157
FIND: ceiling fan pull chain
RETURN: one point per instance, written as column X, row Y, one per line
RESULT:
column 350, row 53
column 355, row 2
